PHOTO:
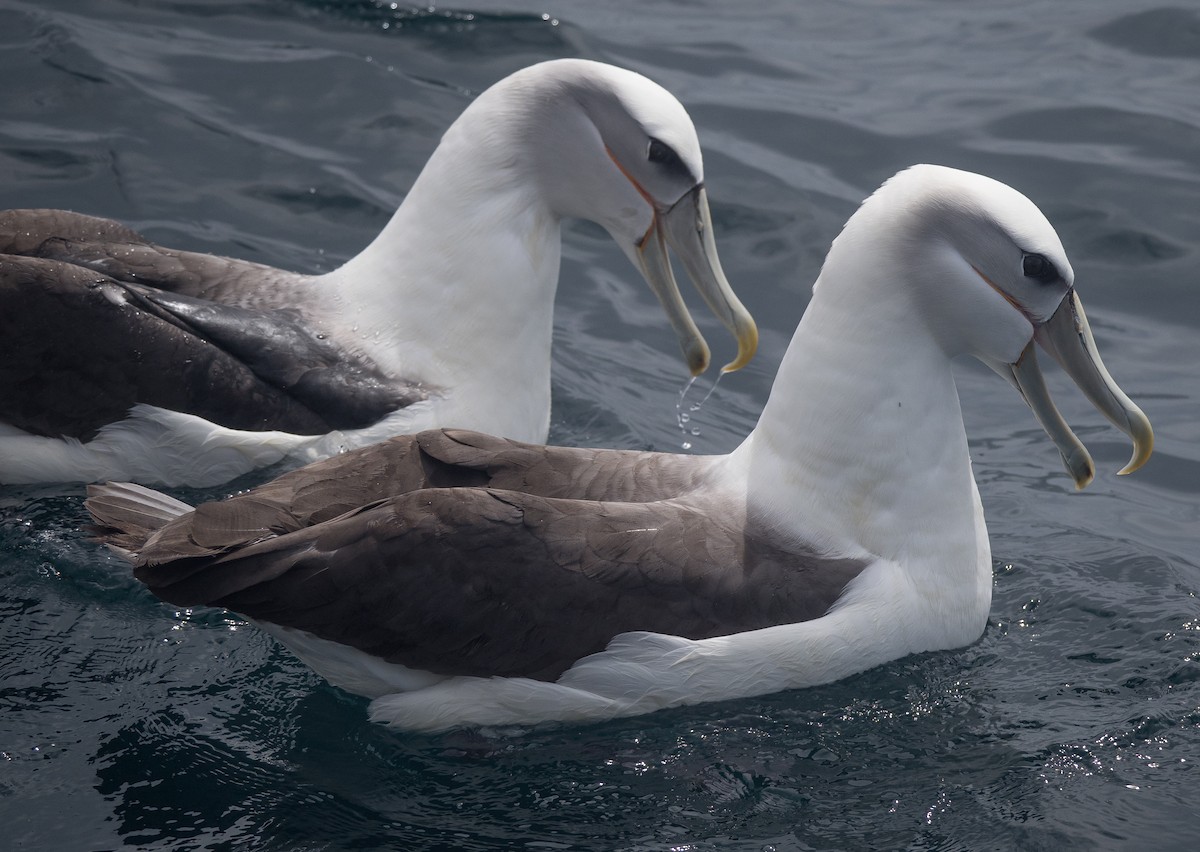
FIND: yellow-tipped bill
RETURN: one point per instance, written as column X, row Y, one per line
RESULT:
column 1068, row 338
column 687, row 228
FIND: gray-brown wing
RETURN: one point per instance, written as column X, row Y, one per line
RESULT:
column 484, row 581
column 121, row 253
column 94, row 320
column 438, row 458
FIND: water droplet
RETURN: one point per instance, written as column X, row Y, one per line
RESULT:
column 687, row 445
column 683, row 418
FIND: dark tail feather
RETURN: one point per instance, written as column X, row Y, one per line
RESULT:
column 127, row 514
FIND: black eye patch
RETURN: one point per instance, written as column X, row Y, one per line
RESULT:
column 1037, row 267
column 664, row 155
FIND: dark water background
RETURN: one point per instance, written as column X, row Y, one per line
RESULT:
column 286, row 132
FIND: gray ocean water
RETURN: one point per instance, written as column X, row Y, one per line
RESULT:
column 287, row 132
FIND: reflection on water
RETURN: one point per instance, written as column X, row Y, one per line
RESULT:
column 287, row 132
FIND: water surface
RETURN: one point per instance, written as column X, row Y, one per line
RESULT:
column 287, row 132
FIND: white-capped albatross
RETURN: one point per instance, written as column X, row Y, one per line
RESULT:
column 120, row 359
column 459, row 579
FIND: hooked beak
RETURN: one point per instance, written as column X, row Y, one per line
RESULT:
column 687, row 228
column 1068, row 338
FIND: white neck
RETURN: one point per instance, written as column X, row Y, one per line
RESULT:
column 458, row 290
column 861, row 443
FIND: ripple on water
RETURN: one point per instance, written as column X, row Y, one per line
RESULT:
column 1166, row 32
column 1071, row 724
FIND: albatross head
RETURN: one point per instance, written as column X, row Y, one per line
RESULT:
column 995, row 281
column 611, row 146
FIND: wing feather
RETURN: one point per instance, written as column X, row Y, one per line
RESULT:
column 95, row 319
column 481, row 581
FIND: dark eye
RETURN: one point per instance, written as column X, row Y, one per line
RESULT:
column 661, row 152
column 665, row 158
column 1036, row 266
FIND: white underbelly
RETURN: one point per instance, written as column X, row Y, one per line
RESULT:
column 154, row 446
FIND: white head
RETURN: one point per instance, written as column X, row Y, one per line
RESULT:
column 606, row 144
column 970, row 243
column 989, row 277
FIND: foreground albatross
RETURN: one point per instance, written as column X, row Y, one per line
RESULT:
column 460, row 579
column 120, row 359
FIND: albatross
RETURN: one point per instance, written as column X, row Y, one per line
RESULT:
column 459, row 579
column 121, row 359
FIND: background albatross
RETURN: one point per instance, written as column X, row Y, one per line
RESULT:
column 460, row 579
column 120, row 359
